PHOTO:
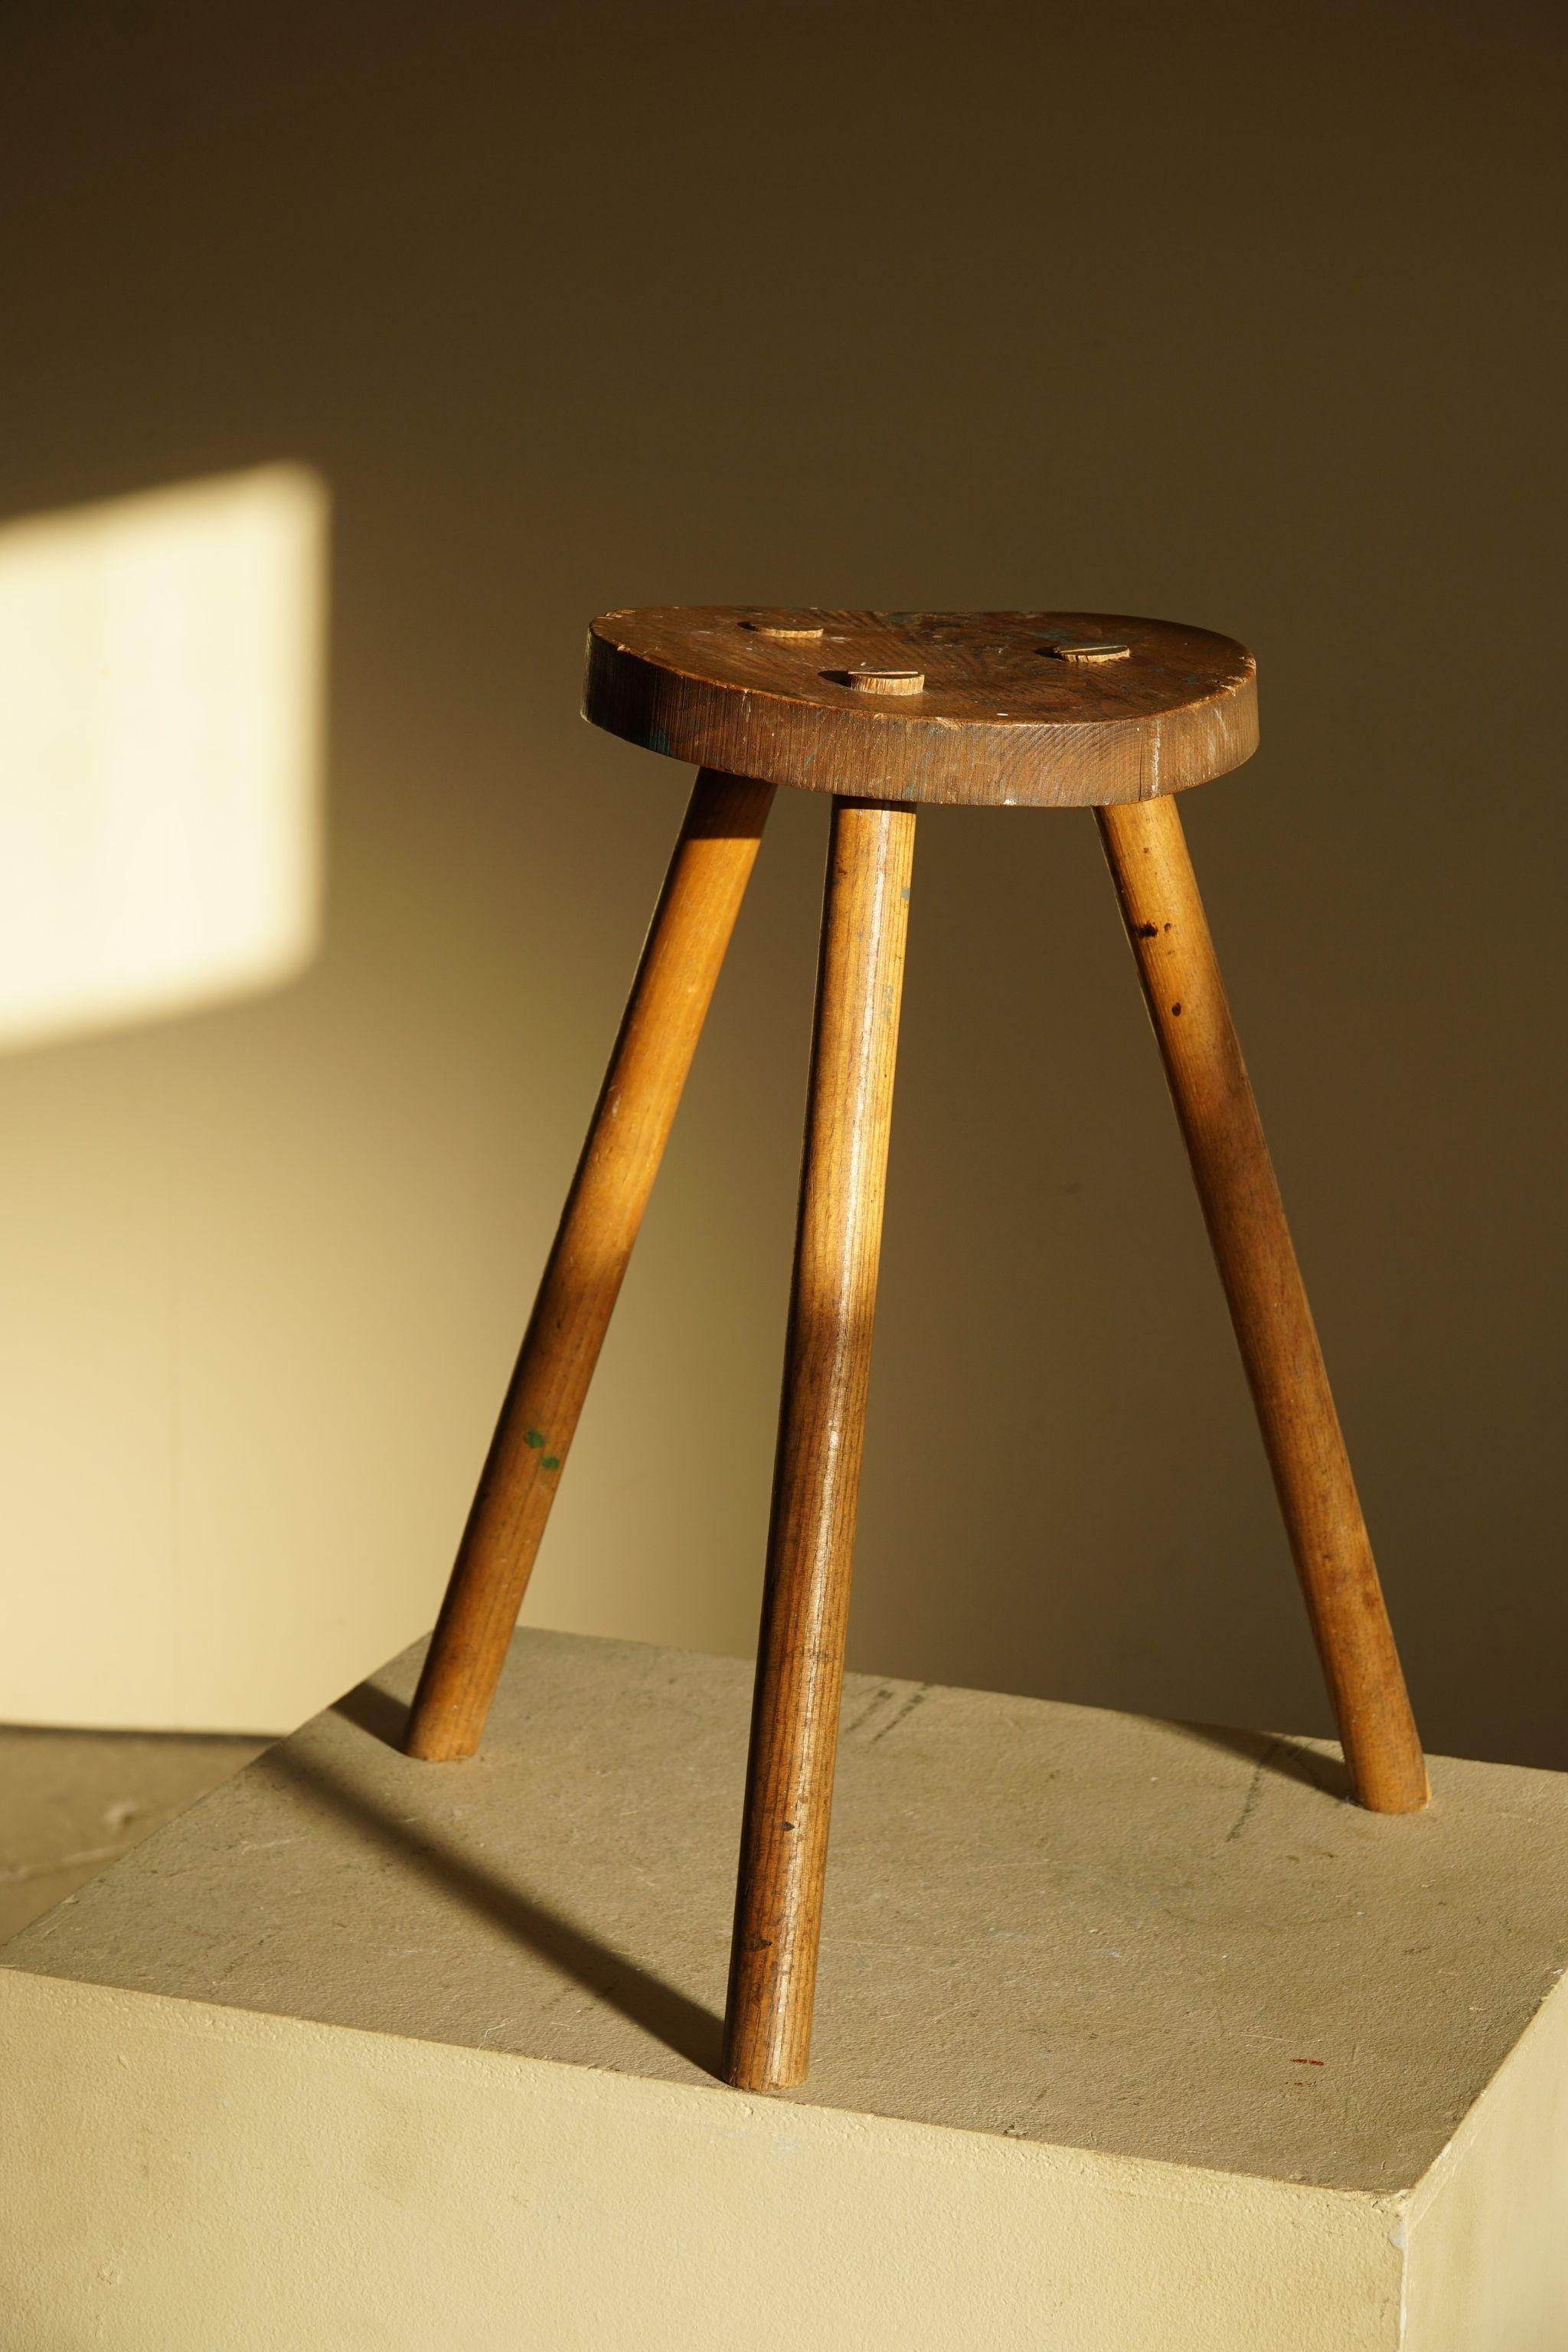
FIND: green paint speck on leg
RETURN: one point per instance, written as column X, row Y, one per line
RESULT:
column 550, row 1462
column 535, row 1438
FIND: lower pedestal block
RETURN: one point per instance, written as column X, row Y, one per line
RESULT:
column 1130, row 2038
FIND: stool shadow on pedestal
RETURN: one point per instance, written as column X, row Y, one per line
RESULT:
column 1272, row 1752
column 370, row 1709
column 587, row 1960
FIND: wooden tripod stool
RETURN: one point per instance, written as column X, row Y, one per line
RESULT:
column 884, row 711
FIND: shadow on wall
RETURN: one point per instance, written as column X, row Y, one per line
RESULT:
column 570, row 321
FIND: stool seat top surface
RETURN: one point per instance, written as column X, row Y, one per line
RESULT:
column 992, row 710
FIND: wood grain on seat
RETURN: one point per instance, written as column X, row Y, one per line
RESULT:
column 1010, row 712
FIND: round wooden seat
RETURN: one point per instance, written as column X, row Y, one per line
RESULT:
column 994, row 709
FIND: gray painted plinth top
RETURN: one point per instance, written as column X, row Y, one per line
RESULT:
column 1051, row 1922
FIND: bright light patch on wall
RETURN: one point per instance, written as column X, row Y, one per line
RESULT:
column 161, row 663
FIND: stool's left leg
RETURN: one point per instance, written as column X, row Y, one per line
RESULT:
column 816, row 1478
column 1147, row 851
column 663, row 1020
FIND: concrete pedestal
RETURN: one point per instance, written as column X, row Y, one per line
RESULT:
column 1132, row 2038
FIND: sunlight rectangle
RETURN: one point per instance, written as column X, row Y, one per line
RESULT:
column 161, row 685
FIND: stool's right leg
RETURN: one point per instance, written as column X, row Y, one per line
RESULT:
column 671, row 995
column 1147, row 851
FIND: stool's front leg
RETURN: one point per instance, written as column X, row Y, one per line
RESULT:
column 1148, row 856
column 663, row 1020
column 816, row 1481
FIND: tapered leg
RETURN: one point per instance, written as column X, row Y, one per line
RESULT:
column 817, row 1479
column 1147, row 851
column 669, row 999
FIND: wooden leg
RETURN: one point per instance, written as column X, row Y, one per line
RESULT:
column 1147, row 851
column 669, row 999
column 816, row 1480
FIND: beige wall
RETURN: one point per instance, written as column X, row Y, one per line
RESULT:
column 1245, row 317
